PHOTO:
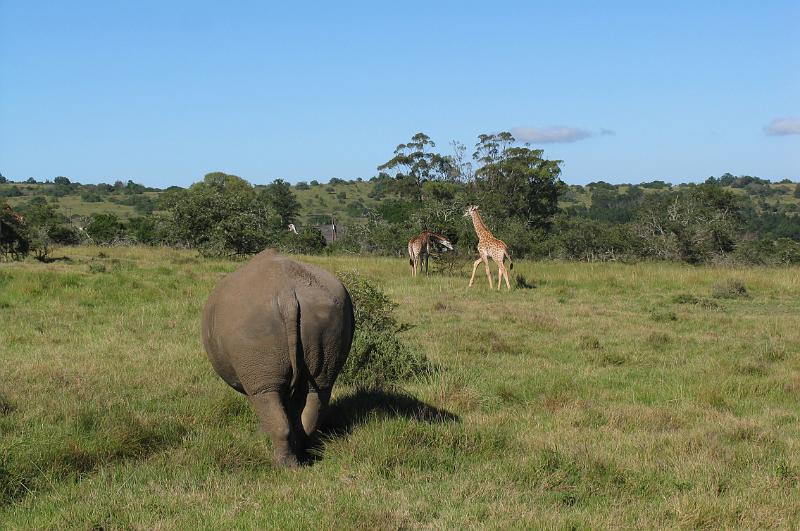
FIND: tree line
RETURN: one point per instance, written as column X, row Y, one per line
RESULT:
column 519, row 191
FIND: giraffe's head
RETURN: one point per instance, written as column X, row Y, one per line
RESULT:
column 470, row 209
column 444, row 242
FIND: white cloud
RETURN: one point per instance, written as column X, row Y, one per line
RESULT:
column 549, row 135
column 783, row 126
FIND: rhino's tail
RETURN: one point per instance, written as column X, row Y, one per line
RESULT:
column 290, row 311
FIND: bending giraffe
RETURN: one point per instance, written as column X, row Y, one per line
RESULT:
column 489, row 247
column 419, row 249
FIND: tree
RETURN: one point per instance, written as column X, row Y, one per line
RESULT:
column 414, row 164
column 61, row 180
column 39, row 213
column 143, row 229
column 15, row 241
column 280, row 197
column 516, row 182
column 222, row 215
column 133, row 188
column 692, row 225
column 609, row 205
column 104, row 228
column 3, row 180
column 492, row 147
column 64, row 234
column 308, row 241
column 462, row 170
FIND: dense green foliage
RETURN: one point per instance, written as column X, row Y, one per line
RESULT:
column 378, row 357
column 15, row 242
column 729, row 218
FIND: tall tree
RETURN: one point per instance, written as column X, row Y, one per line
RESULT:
column 491, row 148
column 462, row 169
column 414, row 164
column 222, row 215
column 280, row 197
column 516, row 182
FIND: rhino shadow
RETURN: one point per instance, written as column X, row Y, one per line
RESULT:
column 361, row 406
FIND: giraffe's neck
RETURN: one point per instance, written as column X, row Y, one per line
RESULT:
column 480, row 228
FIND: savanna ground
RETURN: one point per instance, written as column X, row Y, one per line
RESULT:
column 607, row 395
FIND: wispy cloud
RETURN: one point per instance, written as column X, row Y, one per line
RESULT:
column 607, row 132
column 783, row 126
column 549, row 135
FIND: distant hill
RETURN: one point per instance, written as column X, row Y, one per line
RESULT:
column 349, row 202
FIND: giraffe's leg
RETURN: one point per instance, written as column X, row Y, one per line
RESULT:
column 474, row 268
column 426, row 264
column 505, row 273
column 488, row 271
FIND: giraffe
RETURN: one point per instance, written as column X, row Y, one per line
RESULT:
column 489, row 247
column 419, row 248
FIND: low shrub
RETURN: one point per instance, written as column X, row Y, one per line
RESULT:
column 379, row 357
column 661, row 316
column 730, row 289
column 685, row 298
column 590, row 343
column 447, row 263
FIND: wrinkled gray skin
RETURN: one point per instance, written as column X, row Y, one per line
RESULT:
column 279, row 331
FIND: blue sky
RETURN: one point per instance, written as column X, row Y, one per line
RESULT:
column 164, row 92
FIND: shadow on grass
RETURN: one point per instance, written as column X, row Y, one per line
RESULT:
column 51, row 259
column 94, row 438
column 365, row 405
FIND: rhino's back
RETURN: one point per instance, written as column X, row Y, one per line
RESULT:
column 243, row 316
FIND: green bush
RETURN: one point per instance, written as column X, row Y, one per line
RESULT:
column 15, row 239
column 222, row 216
column 308, row 241
column 143, row 229
column 64, row 234
column 91, row 197
column 783, row 251
column 104, row 228
column 378, row 357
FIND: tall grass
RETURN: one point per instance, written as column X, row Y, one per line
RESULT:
column 610, row 395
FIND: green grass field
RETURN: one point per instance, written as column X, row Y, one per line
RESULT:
column 607, row 396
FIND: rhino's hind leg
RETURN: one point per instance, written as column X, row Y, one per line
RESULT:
column 271, row 413
column 315, row 405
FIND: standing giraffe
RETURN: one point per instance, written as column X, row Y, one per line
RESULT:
column 489, row 247
column 419, row 248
